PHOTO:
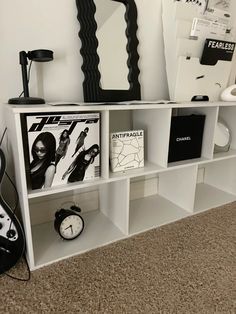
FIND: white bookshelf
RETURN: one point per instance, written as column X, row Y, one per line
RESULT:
column 119, row 205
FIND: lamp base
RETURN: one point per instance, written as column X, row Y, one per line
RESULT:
column 26, row 101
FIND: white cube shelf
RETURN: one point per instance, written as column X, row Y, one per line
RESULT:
column 122, row 204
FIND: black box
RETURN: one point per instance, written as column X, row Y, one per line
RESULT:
column 186, row 137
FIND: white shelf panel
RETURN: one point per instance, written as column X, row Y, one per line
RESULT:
column 149, row 168
column 153, row 211
column 225, row 155
column 201, row 161
column 208, row 197
column 49, row 247
column 158, row 104
column 188, row 162
column 65, row 188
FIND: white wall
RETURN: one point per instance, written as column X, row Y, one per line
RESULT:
column 52, row 24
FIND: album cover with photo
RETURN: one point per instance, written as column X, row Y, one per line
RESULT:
column 61, row 148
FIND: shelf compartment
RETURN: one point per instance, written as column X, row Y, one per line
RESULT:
column 105, row 212
column 217, row 186
column 161, row 198
column 148, row 168
column 221, row 174
column 208, row 196
column 104, row 165
column 227, row 114
column 156, row 126
column 153, row 211
column 209, row 127
column 49, row 247
column 225, row 155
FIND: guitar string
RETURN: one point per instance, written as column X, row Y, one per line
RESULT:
column 14, row 211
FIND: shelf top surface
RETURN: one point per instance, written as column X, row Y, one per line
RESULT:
column 133, row 105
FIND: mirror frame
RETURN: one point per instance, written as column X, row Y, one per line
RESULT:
column 92, row 77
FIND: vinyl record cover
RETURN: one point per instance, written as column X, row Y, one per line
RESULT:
column 62, row 148
column 126, row 150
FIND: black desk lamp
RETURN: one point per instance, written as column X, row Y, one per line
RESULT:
column 40, row 55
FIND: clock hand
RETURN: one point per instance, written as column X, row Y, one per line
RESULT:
column 71, row 229
column 70, row 226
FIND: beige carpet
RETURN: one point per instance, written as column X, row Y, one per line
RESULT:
column 184, row 267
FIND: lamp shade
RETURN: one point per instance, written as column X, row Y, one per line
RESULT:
column 40, row 55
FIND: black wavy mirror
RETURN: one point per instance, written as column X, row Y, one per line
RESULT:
column 110, row 68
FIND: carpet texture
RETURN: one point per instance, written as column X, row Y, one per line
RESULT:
column 185, row 267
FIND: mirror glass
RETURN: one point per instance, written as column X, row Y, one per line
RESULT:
column 112, row 42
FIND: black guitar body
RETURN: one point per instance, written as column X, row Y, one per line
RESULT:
column 12, row 240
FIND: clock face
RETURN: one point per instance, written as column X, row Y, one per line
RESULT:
column 71, row 227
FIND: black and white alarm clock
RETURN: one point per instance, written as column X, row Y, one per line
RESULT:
column 68, row 223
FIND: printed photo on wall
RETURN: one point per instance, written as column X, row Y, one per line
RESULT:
column 218, row 4
column 61, row 148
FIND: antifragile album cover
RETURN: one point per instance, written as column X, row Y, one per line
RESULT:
column 62, row 148
column 126, row 150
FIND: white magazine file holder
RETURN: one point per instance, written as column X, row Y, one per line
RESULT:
column 186, row 76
